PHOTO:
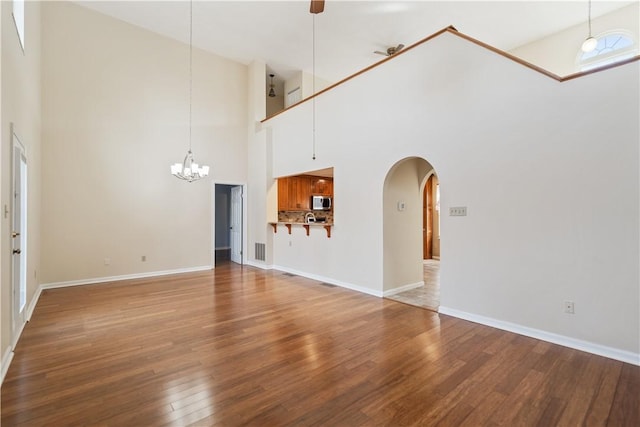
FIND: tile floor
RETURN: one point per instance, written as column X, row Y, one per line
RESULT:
column 427, row 296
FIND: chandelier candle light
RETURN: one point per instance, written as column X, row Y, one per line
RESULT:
column 189, row 170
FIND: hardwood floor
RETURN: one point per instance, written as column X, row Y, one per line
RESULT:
column 241, row 346
column 428, row 295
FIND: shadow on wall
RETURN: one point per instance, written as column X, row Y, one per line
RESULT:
column 402, row 222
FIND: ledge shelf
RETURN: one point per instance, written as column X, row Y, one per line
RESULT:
column 306, row 226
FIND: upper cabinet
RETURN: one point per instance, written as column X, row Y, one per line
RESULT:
column 299, row 187
column 321, row 186
column 294, row 192
column 283, row 194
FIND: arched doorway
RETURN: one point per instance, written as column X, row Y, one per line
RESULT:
column 403, row 233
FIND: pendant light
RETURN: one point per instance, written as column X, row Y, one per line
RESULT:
column 189, row 170
column 272, row 93
column 590, row 43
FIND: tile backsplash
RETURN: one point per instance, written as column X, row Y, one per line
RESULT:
column 298, row 216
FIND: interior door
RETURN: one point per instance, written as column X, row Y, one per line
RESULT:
column 19, row 234
column 235, row 224
column 427, row 219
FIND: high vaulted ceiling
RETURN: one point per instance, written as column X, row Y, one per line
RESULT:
column 347, row 33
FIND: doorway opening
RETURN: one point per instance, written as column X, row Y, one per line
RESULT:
column 412, row 234
column 228, row 228
column 19, row 236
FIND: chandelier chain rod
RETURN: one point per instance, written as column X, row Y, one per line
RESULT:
column 189, row 170
column 313, row 85
column 589, row 18
column 190, row 67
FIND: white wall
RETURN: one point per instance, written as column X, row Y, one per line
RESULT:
column 115, row 116
column 259, row 177
column 21, row 102
column 305, row 82
column 540, row 165
column 559, row 52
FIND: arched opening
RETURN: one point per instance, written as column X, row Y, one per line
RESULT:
column 404, row 233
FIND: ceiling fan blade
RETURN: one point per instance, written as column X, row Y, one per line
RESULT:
column 399, row 47
column 381, row 53
column 317, row 6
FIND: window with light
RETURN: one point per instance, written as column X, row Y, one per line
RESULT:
column 611, row 48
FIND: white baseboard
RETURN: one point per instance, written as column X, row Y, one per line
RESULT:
column 589, row 347
column 403, row 288
column 93, row 281
column 259, row 264
column 32, row 304
column 7, row 357
column 16, row 337
column 330, row 281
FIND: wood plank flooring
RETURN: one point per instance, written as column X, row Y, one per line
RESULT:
column 240, row 346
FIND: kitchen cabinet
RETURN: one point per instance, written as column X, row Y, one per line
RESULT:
column 299, row 192
column 283, row 194
column 321, row 186
column 294, row 192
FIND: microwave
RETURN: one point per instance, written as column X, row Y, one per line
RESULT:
column 320, row 203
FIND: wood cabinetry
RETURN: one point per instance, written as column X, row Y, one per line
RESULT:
column 299, row 187
column 321, row 186
column 283, row 194
column 294, row 192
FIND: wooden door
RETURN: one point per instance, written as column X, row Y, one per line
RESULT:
column 427, row 219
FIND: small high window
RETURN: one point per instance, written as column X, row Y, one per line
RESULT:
column 612, row 47
column 18, row 18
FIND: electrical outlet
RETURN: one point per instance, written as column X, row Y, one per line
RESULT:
column 143, row 258
column 289, row 242
column 107, row 261
column 569, row 307
column 458, row 211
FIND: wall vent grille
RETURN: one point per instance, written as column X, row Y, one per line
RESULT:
column 260, row 251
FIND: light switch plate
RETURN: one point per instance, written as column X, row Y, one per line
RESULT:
column 458, row 211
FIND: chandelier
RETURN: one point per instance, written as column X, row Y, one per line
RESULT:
column 189, row 170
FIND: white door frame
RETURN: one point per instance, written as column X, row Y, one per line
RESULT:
column 19, row 242
column 235, row 223
column 213, row 219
